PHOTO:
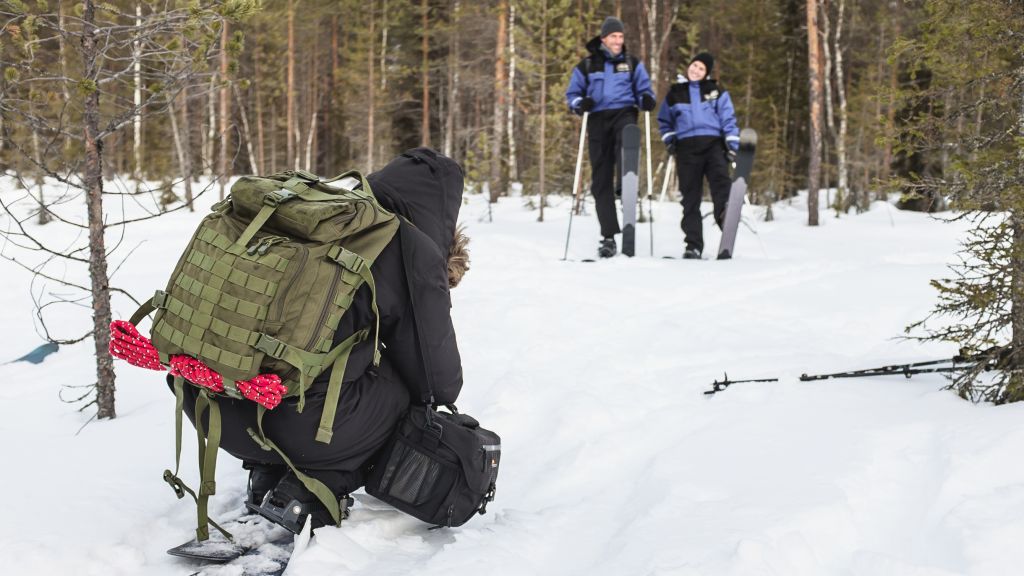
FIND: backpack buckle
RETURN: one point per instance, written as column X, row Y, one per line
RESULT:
column 350, row 260
column 160, row 299
column 270, row 346
column 278, row 197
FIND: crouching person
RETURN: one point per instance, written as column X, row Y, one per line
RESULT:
column 301, row 340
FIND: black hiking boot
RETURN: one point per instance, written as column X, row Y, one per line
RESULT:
column 691, row 254
column 607, row 248
column 289, row 503
column 262, row 478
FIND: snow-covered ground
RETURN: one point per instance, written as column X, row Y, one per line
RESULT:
column 615, row 462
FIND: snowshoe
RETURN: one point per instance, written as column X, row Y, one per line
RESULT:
column 289, row 503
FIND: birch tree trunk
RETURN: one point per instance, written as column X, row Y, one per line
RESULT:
column 211, row 123
column 370, row 110
column 93, row 180
column 425, row 73
column 187, row 170
column 225, row 112
column 261, row 159
column 890, row 119
column 510, row 102
column 657, row 31
column 179, row 149
column 843, row 166
column 292, row 129
column 453, row 82
column 499, row 101
column 137, row 99
column 37, row 155
column 814, row 69
column 543, row 105
column 246, row 133
column 830, row 125
column 384, row 46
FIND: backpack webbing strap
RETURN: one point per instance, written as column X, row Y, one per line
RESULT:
column 208, row 447
column 318, row 488
column 144, row 310
column 355, row 263
column 325, row 431
column 176, row 483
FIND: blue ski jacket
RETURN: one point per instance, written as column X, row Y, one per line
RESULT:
column 698, row 109
column 612, row 82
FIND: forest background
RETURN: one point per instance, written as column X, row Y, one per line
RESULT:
column 924, row 98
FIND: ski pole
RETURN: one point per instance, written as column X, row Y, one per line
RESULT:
column 650, row 180
column 576, row 183
column 717, row 386
column 668, row 176
column 907, row 370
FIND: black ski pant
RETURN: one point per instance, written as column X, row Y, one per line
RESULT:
column 367, row 413
column 604, row 131
column 697, row 158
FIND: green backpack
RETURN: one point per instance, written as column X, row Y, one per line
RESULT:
column 260, row 289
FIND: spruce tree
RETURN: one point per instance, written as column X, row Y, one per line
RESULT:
column 969, row 107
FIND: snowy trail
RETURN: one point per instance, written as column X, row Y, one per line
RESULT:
column 614, row 461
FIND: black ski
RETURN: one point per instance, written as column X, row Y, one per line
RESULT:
column 741, row 177
column 630, row 185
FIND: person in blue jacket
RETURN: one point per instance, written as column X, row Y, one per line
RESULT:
column 698, row 126
column 611, row 85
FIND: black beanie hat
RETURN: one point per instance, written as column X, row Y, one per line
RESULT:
column 611, row 25
column 707, row 59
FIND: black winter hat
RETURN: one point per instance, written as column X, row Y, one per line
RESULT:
column 611, row 25
column 707, row 59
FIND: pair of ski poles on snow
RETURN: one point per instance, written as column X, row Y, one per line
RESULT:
column 576, row 196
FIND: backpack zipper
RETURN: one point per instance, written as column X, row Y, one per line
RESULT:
column 330, row 302
column 286, row 285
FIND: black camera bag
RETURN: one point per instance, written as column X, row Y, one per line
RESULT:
column 439, row 467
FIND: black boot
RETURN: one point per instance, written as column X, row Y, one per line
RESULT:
column 262, row 478
column 289, row 503
column 607, row 248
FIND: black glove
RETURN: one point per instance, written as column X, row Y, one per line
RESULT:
column 730, row 155
column 647, row 102
column 670, row 146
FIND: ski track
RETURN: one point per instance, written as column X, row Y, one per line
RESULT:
column 614, row 462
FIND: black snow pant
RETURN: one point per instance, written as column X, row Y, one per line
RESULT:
column 696, row 158
column 367, row 414
column 605, row 138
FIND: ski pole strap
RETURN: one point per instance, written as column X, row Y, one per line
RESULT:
column 318, row 488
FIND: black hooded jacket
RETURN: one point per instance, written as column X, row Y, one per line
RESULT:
column 420, row 359
column 424, row 189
